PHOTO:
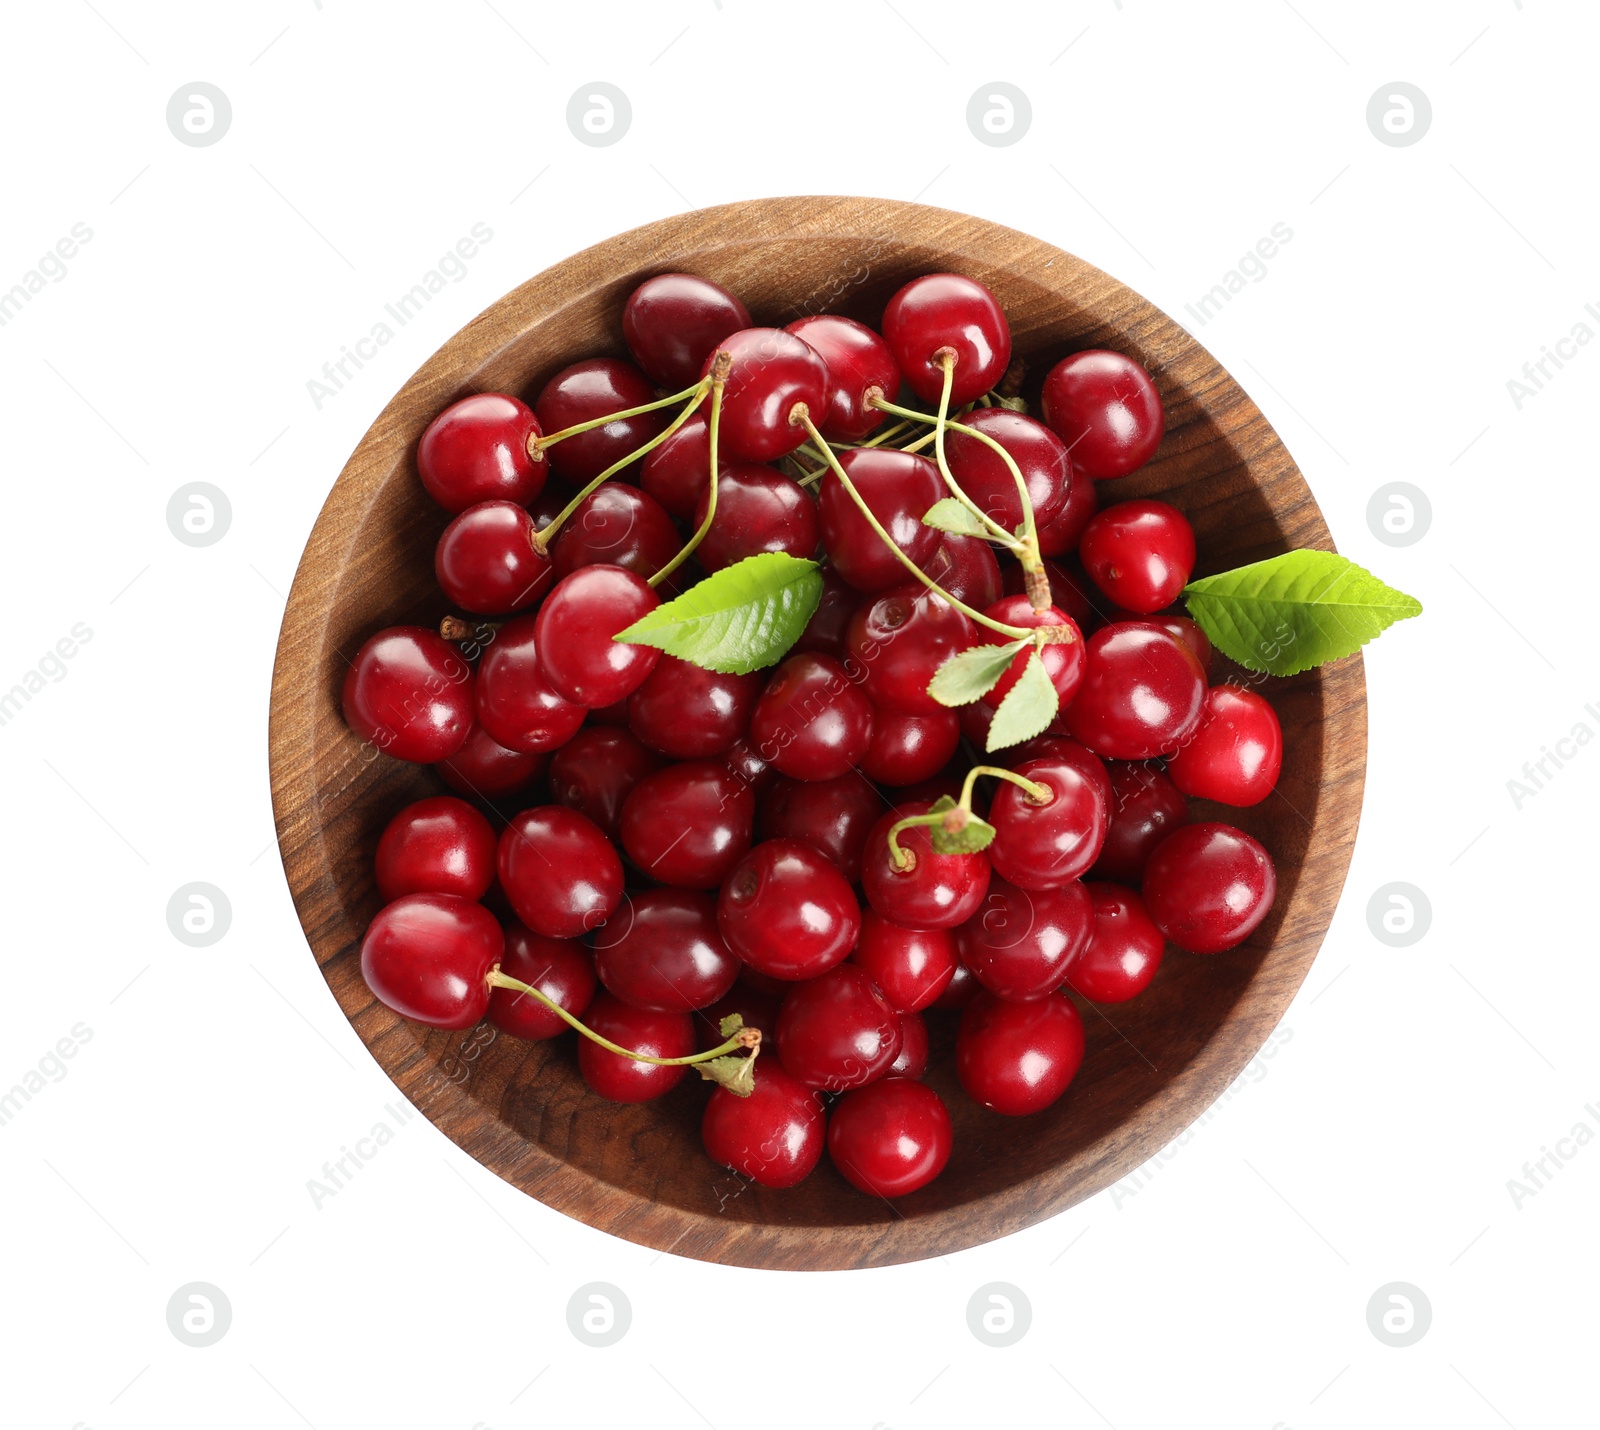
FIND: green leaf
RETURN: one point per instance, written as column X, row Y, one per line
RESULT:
column 731, row 1025
column 736, row 1074
column 744, row 617
column 976, row 834
column 948, row 514
column 1294, row 611
column 973, row 673
column 1029, row 707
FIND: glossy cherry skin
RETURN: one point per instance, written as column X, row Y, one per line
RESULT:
column 1140, row 553
column 1017, row 1058
column 1043, row 846
column 837, row 1031
column 1207, row 886
column 745, row 765
column 912, row 1059
column 1124, row 949
column 1142, row 693
column 575, row 627
column 898, row 488
column 409, row 693
column 907, row 749
column 911, row 967
column 775, row 1136
column 947, row 310
column 773, row 373
column 591, row 389
column 1063, row 659
column 1235, row 755
column 559, row 871
column 560, row 968
column 1188, row 632
column 516, row 703
column 1066, row 594
column 672, row 322
column 756, row 1007
column 968, row 569
column 891, row 1138
column 898, row 640
column 676, row 472
column 661, row 949
column 691, row 713
column 1021, row 942
column 1062, row 533
column 689, row 824
column 859, row 364
column 428, row 957
column 596, row 770
column 640, row 1030
column 1051, row 746
column 476, row 450
column 1105, row 407
column 811, row 721
column 758, row 509
column 440, row 845
column 1145, row 807
column 825, row 631
column 616, row 525
column 486, row 769
column 485, row 562
column 787, row 911
column 832, row 816
column 982, row 473
column 961, row 990
column 937, row 891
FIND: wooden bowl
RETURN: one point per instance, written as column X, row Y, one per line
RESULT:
column 1152, row 1066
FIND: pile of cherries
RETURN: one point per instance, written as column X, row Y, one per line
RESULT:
column 677, row 845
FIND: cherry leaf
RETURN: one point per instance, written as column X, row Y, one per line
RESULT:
column 736, row 1074
column 974, row 835
column 973, row 673
column 948, row 514
column 731, row 1025
column 1029, row 707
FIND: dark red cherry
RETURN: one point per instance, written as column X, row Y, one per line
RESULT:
column 689, row 824
column 551, row 502
column 559, row 871
column 1142, row 693
column 676, row 472
column 774, row 1136
column 758, row 509
column 787, row 911
column 560, row 968
column 616, row 525
column 912, row 1059
column 672, row 322
column 1042, row 846
column 745, row 765
column 756, row 1007
column 1062, row 533
column 591, row 389
column 1140, row 553
column 1105, row 407
column 959, row 991
column 832, row 816
column 516, row 703
column 1124, row 948
column 912, row 967
column 440, row 845
column 596, row 770
column 1145, row 807
column 1066, row 594
column 640, row 1030
column 935, row 891
column 1018, row 1058
column 1021, row 941
column 859, row 365
column 982, row 473
column 1063, row 660
column 476, row 450
column 898, row 488
column 825, row 631
column 967, row 568
column 947, row 310
column 907, row 749
column 691, row 713
column 409, row 693
column 1207, row 886
column 487, row 770
column 837, row 1030
column 661, row 949
column 811, row 721
column 1235, row 754
column 773, row 374
column 575, row 631
column 898, row 640
column 891, row 1138
column 485, row 561
column 1061, row 747
column 428, row 956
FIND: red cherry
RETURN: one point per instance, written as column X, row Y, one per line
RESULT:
column 1207, row 886
column 486, row 769
column 1063, row 660
column 1067, row 595
column 968, row 569
column 825, row 631
column 756, row 1007
column 1020, row 943
column 890, row 1139
column 1140, row 553
column 440, row 845
column 677, row 472
column 961, row 990
column 551, row 502
column 1145, row 807
column 773, row 373
column 774, row 1136
column 1105, row 407
column 811, row 722
column 897, row 642
column 476, row 450
column 516, row 703
column 1142, row 693
column 859, row 364
column 1062, row 533
column 947, row 310
column 1018, row 1058
column 907, row 749
column 1060, row 747
column 1188, row 632
column 560, row 968
column 409, row 693
column 1124, row 949
column 689, row 824
column 898, row 488
column 596, row 770
column 787, row 911
column 832, row 816
column 559, row 871
column 640, row 1030
column 758, row 509
column 616, row 525
column 591, row 389
column 745, row 765
column 1236, row 753
column 911, row 966
column 485, row 562
column 837, row 1031
column 1043, row 846
column 937, row 891
column 575, row 631
column 428, row 956
column 672, row 322
column 982, row 474
column 912, row 1059
column 661, row 949
column 690, row 713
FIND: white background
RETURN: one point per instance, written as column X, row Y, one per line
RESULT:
column 1408, row 1085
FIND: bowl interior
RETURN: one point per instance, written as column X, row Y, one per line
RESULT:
column 1151, row 1066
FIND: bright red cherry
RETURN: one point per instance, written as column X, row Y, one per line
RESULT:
column 832, row 816
column 773, row 373
column 1062, row 533
column 1140, row 553
column 1207, row 886
column 588, row 390
column 485, row 561
column 476, row 450
column 616, row 525
column 787, row 911
column 859, row 365
column 774, row 1136
column 1063, row 660
column 837, row 1031
column 676, row 472
column 640, row 1030
column 1020, row 943
column 440, row 845
column 1105, row 407
column 891, row 1138
column 811, row 721
column 898, row 488
column 907, row 749
column 486, row 769
column 935, row 891
column 1124, row 949
column 409, row 693
column 596, row 770
column 672, row 322
column 560, row 968
column 1042, row 846
column 559, row 871
column 898, row 640
column 968, row 569
column 689, row 824
column 1145, row 807
column 1188, row 632
column 661, row 949
column 691, row 713
column 428, row 956
column 575, row 631
column 825, row 631
column 947, row 310
column 912, row 1059
column 911, row 966
column 982, row 473
column 1236, row 753
column 1018, row 1058
column 1060, row 747
column 758, row 509
column 1142, row 693
column 516, row 703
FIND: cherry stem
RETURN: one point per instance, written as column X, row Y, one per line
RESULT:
column 719, row 380
column 1012, row 632
column 454, row 628
column 1038, row 793
column 744, row 1038
column 892, row 431
column 947, row 360
column 536, row 445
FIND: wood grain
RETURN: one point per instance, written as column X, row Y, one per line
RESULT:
column 1152, row 1066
